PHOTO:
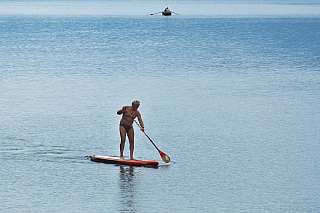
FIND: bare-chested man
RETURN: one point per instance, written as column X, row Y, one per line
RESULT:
column 126, row 127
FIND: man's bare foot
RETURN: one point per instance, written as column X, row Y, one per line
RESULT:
column 121, row 157
column 132, row 159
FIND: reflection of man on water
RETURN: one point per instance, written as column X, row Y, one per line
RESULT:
column 127, row 188
column 126, row 174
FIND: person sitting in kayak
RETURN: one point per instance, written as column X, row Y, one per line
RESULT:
column 126, row 127
column 166, row 10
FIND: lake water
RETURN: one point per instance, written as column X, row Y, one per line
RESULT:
column 232, row 97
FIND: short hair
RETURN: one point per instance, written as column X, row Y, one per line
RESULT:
column 135, row 103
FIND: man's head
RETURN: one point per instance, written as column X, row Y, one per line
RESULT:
column 135, row 104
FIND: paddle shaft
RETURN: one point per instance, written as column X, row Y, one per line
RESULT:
column 164, row 157
column 143, row 131
column 147, row 136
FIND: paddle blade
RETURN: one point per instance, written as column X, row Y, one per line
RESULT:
column 164, row 157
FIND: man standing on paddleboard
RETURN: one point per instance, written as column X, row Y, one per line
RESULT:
column 128, row 114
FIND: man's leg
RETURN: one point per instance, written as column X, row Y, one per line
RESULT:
column 131, row 141
column 123, row 140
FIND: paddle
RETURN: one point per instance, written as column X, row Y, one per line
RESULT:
column 164, row 157
column 155, row 13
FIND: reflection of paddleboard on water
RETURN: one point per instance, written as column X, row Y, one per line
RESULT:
column 113, row 160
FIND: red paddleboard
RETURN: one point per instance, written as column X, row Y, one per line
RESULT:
column 113, row 160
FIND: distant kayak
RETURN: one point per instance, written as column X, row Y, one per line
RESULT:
column 113, row 160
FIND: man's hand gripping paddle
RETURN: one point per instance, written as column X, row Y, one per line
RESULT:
column 164, row 157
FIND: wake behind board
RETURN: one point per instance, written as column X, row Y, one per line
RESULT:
column 113, row 160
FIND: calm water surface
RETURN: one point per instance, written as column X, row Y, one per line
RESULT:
column 233, row 101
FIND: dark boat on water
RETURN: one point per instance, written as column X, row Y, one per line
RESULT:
column 166, row 12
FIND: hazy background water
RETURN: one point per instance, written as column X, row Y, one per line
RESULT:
column 232, row 99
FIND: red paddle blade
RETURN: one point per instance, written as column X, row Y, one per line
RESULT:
column 164, row 157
